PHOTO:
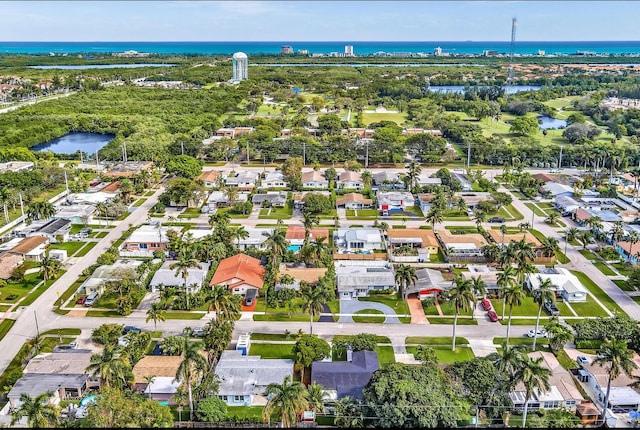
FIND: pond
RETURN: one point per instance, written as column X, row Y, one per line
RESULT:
column 548, row 123
column 73, row 142
column 459, row 89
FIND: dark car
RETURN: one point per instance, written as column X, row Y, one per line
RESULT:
column 82, row 299
column 493, row 317
column 496, row 219
column 551, row 308
column 130, row 328
column 486, row 305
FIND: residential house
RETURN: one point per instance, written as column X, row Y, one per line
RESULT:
column 167, row 277
column 472, row 199
column 429, row 283
column 211, row 178
column 562, row 393
column 362, row 133
column 357, row 240
column 240, row 274
column 31, row 248
column 353, row 201
column 295, row 236
column 276, row 199
column 462, row 247
column 155, row 376
column 274, row 180
column 16, row 166
column 564, row 283
column 556, row 189
column 425, row 179
column 387, row 180
column 244, row 378
column 505, row 239
column 345, row 378
column 77, row 214
column 116, row 272
column 314, row 179
column 245, row 180
column 628, row 251
column 350, row 180
column 568, row 204
column 489, row 276
column 298, row 198
column 256, row 239
column 412, row 131
column 411, row 245
column 56, row 230
column 146, row 239
column 358, row 277
column 8, row 263
column 424, row 201
column 90, row 198
column 466, row 185
column 394, row 201
column 299, row 273
column 129, row 169
column 235, row 132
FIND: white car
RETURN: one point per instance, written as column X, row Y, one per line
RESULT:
column 540, row 333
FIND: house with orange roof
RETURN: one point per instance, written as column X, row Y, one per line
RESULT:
column 350, row 180
column 210, row 178
column 353, row 201
column 411, row 244
column 295, row 236
column 31, row 248
column 240, row 273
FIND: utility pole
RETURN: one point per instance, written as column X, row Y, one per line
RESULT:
column 304, row 153
column 468, row 155
column 37, row 328
column 560, row 159
column 514, row 21
column 21, row 205
column 66, row 182
column 366, row 156
column 182, row 147
column 247, row 153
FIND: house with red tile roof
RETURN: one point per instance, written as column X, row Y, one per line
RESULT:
column 240, row 274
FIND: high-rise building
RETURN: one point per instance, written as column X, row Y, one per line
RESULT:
column 348, row 50
column 240, row 66
column 286, row 49
column 437, row 52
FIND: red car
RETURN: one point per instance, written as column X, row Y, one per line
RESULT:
column 82, row 299
column 492, row 316
column 486, row 305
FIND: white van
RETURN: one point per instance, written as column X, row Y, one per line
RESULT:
column 91, row 299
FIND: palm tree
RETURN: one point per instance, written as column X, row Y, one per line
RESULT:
column 308, row 221
column 503, row 231
column 479, row 217
column 39, row 412
column 182, row 266
column 277, row 244
column 49, row 268
column 552, row 218
column 512, row 296
column 405, row 275
column 632, row 238
column 505, row 280
column 413, row 172
column 534, row 377
column 618, row 358
column 225, row 304
column 544, row 293
column 156, row 313
column 319, row 249
column 549, row 246
column 287, row 400
column 313, row 301
column 509, row 361
column 585, row 236
column 191, row 367
column 316, row 395
column 571, row 234
column 111, row 366
column 239, row 233
column 462, row 296
column 366, row 178
column 594, row 222
column 434, row 216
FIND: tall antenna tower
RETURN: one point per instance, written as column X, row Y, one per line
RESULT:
column 514, row 21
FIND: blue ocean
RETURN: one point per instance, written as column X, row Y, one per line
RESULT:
column 359, row 48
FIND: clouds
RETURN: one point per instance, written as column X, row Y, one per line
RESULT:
column 315, row 20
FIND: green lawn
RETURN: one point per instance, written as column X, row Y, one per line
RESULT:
column 588, row 254
column 385, row 355
column 448, row 308
column 18, row 290
column 597, row 292
column 399, row 306
column 104, row 314
column 139, row 202
column 446, row 355
column 368, row 118
column 183, row 315
column 63, row 332
column 379, row 339
column 527, row 308
column 272, row 350
column 281, row 316
column 5, row 326
column 232, row 214
column 362, row 213
column 70, row 247
column 85, row 249
column 623, row 285
column 604, row 268
column 589, row 308
column 536, row 210
column 272, row 336
column 449, row 321
column 276, row 213
column 369, row 319
column 41, row 289
column 444, row 340
column 239, row 413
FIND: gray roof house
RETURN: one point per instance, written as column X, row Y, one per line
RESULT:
column 275, row 198
column 355, row 278
column 386, row 179
column 166, row 277
column 56, row 230
column 243, row 180
column 243, row 378
column 357, row 240
column 345, row 378
column 63, row 386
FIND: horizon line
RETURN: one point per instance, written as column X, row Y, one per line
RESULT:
column 302, row 41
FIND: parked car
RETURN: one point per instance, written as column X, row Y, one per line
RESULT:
column 198, row 331
column 123, row 341
column 539, row 333
column 82, row 299
column 493, row 317
column 486, row 305
column 130, row 328
column 582, row 360
column 496, row 219
column 551, row 308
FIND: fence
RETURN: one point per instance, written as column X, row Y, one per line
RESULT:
column 376, row 256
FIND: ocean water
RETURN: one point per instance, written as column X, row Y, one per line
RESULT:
column 359, row 48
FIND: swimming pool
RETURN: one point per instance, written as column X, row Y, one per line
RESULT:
column 294, row 248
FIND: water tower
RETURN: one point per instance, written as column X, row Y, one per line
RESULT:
column 240, row 66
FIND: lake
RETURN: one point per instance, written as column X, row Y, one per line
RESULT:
column 547, row 122
column 459, row 89
column 71, row 143
column 100, row 66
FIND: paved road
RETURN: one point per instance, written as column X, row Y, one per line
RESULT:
column 32, row 102
column 350, row 307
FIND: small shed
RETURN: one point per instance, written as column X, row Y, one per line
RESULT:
column 244, row 343
column 58, row 254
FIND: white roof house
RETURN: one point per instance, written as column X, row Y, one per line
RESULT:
column 557, row 189
column 357, row 278
column 121, row 269
column 564, row 283
column 244, row 179
column 145, row 240
column 394, row 200
column 274, row 180
column 243, row 378
column 357, row 240
column 166, row 277
column 77, row 214
column 256, row 238
column 90, row 198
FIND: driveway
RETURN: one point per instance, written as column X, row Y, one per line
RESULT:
column 351, row 306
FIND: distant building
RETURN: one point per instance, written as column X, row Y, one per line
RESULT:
column 240, row 66
column 348, row 50
column 286, row 50
column 437, row 52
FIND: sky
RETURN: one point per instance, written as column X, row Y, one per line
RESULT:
column 317, row 20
